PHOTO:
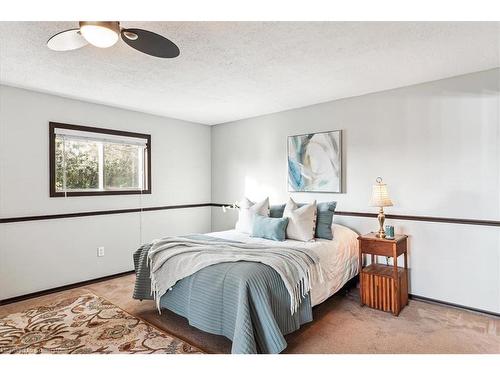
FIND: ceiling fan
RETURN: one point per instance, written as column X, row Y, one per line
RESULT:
column 104, row 34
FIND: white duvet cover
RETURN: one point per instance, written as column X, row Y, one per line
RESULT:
column 338, row 257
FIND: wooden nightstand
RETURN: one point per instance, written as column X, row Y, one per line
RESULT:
column 381, row 286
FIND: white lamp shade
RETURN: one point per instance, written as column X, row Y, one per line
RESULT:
column 100, row 34
column 380, row 196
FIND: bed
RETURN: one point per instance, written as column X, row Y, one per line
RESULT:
column 247, row 301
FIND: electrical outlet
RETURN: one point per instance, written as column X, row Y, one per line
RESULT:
column 100, row 251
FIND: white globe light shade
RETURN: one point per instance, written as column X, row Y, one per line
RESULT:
column 100, row 34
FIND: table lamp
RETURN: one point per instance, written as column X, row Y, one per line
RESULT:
column 380, row 198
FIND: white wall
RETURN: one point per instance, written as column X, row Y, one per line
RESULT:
column 31, row 252
column 435, row 144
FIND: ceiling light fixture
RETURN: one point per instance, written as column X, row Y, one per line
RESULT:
column 100, row 34
column 105, row 34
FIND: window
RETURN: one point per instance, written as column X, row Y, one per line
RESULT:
column 95, row 161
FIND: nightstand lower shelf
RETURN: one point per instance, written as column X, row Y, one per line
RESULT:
column 381, row 290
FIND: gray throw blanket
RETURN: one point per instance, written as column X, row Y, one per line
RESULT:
column 172, row 259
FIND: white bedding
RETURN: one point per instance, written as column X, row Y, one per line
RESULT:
column 338, row 257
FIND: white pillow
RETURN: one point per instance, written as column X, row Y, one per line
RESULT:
column 301, row 221
column 247, row 212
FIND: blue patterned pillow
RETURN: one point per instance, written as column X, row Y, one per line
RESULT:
column 270, row 228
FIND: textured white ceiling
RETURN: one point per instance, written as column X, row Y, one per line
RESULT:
column 234, row 70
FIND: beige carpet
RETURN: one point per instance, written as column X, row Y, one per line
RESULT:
column 85, row 324
column 343, row 326
column 340, row 325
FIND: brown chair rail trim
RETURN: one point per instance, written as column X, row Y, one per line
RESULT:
column 449, row 220
column 99, row 213
column 492, row 223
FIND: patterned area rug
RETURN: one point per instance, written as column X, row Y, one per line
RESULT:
column 83, row 325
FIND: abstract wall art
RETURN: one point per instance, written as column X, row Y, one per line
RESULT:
column 315, row 162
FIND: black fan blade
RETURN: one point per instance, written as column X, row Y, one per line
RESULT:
column 150, row 43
